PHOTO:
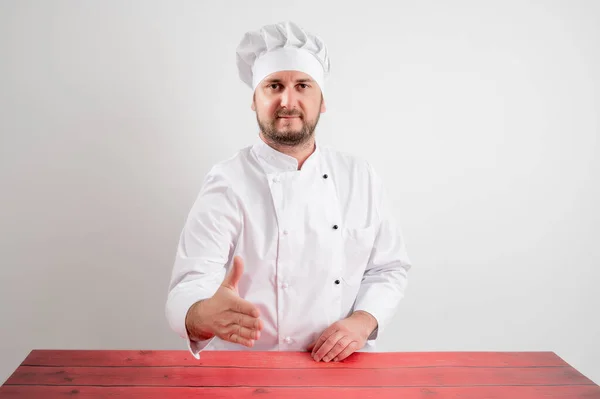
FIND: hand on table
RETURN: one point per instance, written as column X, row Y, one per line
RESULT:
column 343, row 337
column 225, row 314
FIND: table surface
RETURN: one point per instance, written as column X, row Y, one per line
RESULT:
column 246, row 374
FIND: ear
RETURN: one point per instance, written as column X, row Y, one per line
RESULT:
column 253, row 106
column 323, row 107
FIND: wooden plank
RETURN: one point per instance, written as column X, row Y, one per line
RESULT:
column 489, row 392
column 326, row 376
column 379, row 360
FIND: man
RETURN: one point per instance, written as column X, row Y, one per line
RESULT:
column 289, row 246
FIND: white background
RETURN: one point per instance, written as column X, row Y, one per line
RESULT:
column 483, row 119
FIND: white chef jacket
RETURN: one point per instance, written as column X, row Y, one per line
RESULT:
column 317, row 244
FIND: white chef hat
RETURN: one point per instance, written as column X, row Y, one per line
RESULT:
column 281, row 47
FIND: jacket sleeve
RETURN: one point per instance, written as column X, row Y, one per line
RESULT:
column 206, row 244
column 385, row 277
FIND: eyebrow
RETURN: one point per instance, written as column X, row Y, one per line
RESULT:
column 303, row 80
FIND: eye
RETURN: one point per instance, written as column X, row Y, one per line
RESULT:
column 303, row 86
column 274, row 86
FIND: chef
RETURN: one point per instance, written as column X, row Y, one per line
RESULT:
column 290, row 245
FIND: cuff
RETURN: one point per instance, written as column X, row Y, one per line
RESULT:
column 195, row 347
column 177, row 308
column 375, row 332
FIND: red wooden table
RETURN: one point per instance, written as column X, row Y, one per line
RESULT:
column 176, row 374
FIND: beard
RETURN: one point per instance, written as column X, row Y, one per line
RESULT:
column 288, row 136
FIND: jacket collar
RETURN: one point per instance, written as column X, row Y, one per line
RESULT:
column 279, row 162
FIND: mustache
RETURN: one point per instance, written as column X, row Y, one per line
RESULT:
column 284, row 112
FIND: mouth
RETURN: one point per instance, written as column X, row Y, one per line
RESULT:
column 287, row 117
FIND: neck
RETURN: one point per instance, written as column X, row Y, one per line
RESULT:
column 300, row 151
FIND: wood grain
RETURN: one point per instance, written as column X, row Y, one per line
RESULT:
column 490, row 392
column 294, row 375
column 313, row 377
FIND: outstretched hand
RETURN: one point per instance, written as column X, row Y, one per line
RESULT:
column 225, row 314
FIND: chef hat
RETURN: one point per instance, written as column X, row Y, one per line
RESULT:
column 281, row 47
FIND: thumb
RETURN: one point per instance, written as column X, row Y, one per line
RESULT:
column 235, row 273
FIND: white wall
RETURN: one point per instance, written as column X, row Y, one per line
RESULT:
column 483, row 120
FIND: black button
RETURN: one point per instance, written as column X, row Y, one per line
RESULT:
column 325, row 176
column 337, row 281
column 335, row 226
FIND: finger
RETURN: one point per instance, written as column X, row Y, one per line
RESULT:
column 310, row 347
column 245, row 320
column 328, row 345
column 350, row 349
column 243, row 332
column 321, row 340
column 338, row 347
column 235, row 274
column 239, row 305
column 236, row 339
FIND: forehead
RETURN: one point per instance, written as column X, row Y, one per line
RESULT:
column 287, row 76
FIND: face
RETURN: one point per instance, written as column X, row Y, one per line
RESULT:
column 288, row 105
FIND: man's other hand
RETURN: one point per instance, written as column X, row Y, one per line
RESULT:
column 343, row 337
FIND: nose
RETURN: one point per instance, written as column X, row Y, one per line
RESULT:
column 288, row 98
